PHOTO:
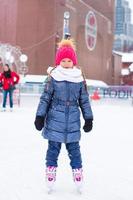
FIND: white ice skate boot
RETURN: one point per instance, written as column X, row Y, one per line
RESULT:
column 11, row 109
column 3, row 109
column 50, row 177
column 78, row 179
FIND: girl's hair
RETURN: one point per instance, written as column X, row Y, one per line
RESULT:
column 7, row 65
column 84, row 78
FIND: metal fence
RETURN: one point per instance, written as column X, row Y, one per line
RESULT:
column 95, row 93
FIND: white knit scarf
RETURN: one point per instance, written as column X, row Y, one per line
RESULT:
column 66, row 74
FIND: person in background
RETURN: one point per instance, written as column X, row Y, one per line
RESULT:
column 58, row 112
column 8, row 80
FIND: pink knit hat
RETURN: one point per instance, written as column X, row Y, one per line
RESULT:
column 66, row 50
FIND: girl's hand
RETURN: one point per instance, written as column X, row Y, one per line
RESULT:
column 39, row 123
column 88, row 125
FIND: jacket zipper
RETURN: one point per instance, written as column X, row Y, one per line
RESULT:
column 67, row 110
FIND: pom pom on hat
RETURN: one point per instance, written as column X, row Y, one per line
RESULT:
column 66, row 50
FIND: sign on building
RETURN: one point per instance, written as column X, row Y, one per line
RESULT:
column 91, row 30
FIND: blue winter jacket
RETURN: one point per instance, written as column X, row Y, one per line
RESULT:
column 59, row 105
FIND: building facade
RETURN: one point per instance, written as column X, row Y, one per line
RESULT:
column 37, row 26
column 123, row 27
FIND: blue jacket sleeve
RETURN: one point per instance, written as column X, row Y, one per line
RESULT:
column 84, row 102
column 45, row 99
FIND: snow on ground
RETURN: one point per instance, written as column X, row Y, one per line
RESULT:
column 106, row 152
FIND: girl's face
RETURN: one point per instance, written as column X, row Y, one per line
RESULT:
column 66, row 63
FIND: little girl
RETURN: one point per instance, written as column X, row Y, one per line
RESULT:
column 58, row 112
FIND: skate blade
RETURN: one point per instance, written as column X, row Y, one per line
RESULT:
column 50, row 190
column 79, row 188
column 79, row 191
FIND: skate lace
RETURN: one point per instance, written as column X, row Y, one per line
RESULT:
column 51, row 173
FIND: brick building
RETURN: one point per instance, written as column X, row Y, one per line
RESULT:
column 36, row 26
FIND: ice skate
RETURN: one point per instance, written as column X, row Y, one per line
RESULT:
column 78, row 179
column 50, row 178
column 3, row 109
column 11, row 109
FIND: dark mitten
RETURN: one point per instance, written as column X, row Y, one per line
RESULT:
column 39, row 123
column 88, row 125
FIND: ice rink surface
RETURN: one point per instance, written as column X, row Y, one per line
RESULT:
column 106, row 153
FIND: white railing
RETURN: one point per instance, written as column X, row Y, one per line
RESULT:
column 95, row 92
